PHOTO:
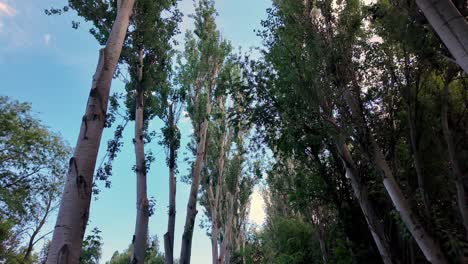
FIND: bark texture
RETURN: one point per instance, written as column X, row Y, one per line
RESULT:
column 73, row 213
column 140, row 237
column 451, row 27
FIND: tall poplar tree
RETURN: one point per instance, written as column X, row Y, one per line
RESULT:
column 148, row 54
column 203, row 59
column 171, row 141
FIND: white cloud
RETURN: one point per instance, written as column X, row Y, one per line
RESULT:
column 257, row 213
column 7, row 10
column 46, row 39
column 13, row 33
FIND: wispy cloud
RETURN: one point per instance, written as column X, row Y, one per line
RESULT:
column 46, row 39
column 6, row 10
column 12, row 34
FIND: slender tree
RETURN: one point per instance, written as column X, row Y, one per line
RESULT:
column 172, row 143
column 213, row 177
column 147, row 54
column 204, row 56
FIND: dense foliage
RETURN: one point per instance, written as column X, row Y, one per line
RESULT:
column 32, row 165
column 359, row 107
column 338, row 84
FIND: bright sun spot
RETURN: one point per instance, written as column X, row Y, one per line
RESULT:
column 257, row 208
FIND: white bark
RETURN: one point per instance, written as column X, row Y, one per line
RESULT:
column 186, row 248
column 185, row 252
column 451, row 27
column 426, row 242
column 360, row 192
column 73, row 213
column 140, row 237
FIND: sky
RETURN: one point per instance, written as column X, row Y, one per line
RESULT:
column 47, row 63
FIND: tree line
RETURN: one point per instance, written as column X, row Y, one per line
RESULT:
column 361, row 107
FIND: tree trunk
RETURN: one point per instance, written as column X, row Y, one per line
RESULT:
column 187, row 236
column 450, row 25
column 426, row 243
column 318, row 221
column 73, row 214
column 228, row 227
column 140, row 237
column 216, row 199
column 456, row 171
column 360, row 192
column 214, row 235
column 169, row 236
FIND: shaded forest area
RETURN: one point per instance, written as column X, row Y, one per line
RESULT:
column 361, row 108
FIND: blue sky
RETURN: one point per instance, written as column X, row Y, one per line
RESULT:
column 45, row 62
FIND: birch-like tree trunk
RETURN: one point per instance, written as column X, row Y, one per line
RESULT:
column 340, row 150
column 140, row 237
column 169, row 236
column 456, row 170
column 360, row 192
column 450, row 25
column 65, row 247
column 425, row 241
column 187, row 236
